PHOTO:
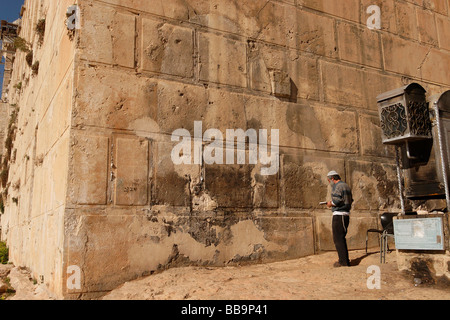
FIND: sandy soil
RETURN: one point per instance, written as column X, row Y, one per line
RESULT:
column 310, row 278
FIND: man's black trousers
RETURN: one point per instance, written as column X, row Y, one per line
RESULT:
column 340, row 227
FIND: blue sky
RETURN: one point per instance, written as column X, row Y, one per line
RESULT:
column 9, row 11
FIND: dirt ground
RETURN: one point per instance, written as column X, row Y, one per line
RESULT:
column 309, row 278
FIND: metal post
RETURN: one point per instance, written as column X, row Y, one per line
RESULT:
column 441, row 150
column 399, row 178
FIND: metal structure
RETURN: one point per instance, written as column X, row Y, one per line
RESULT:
column 404, row 115
column 441, row 104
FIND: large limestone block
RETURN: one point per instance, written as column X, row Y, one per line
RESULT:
column 114, row 99
column 315, row 34
column 376, row 83
column 175, row 9
column 370, row 132
column 435, row 67
column 406, row 20
column 344, row 9
column 343, row 84
column 443, row 25
column 167, row 49
column 304, row 179
column 294, row 235
column 132, row 162
column 305, row 126
column 387, row 10
column 301, row 71
column 230, row 186
column 374, row 186
column 222, row 60
column 172, row 184
column 427, row 27
column 356, row 236
column 108, row 35
column 359, row 44
column 88, row 173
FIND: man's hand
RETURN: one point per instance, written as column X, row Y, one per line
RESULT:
column 329, row 204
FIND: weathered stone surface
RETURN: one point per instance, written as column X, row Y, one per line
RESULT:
column 230, row 186
column 427, row 27
column 443, row 24
column 397, row 49
column 371, row 143
column 132, row 162
column 169, row 50
column 108, row 36
column 359, row 44
column 348, row 10
column 90, row 169
column 388, row 13
column 305, row 180
column 356, row 236
column 301, row 69
column 406, row 20
column 342, row 84
column 374, row 186
column 222, row 60
column 117, row 96
column 171, row 185
column 92, row 182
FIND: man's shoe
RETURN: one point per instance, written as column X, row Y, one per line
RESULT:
column 338, row 265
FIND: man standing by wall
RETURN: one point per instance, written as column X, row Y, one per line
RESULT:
column 340, row 204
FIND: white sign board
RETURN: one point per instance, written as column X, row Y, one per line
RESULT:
column 419, row 234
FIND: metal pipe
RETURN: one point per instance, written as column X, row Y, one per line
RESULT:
column 441, row 151
column 399, row 178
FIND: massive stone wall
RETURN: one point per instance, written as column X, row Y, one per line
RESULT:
column 33, row 222
column 106, row 195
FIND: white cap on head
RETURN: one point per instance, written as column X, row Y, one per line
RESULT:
column 332, row 173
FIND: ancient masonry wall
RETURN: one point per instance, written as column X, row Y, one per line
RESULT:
column 33, row 222
column 98, row 189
